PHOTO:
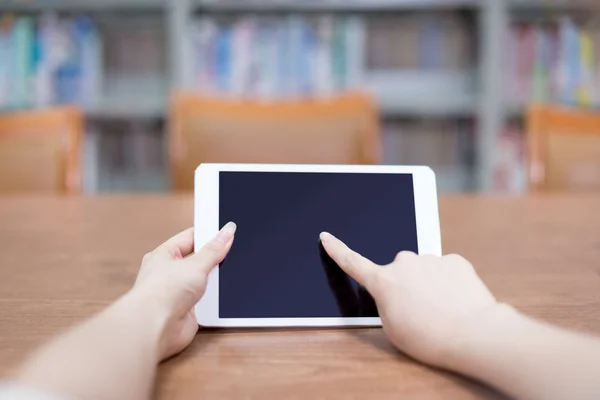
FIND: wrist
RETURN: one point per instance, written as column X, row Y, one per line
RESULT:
column 473, row 335
column 149, row 314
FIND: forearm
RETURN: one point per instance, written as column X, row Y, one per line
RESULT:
column 112, row 356
column 528, row 359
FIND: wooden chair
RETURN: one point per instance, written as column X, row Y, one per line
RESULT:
column 40, row 151
column 564, row 149
column 343, row 130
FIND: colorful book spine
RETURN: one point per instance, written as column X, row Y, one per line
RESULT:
column 586, row 93
column 284, row 61
column 511, row 70
column 223, row 60
column 5, row 61
column 355, row 54
column 241, row 46
column 324, row 60
column 89, row 56
column 339, row 55
column 306, row 43
column 44, row 66
column 22, row 70
column 555, row 62
column 526, row 45
column 294, row 62
column 203, row 47
column 266, row 67
column 570, row 64
column 265, row 55
column 431, row 43
column 539, row 88
column 509, row 171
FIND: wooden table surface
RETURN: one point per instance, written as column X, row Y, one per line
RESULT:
column 63, row 259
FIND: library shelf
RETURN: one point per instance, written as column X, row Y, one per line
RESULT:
column 330, row 5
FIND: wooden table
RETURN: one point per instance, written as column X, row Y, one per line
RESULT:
column 62, row 259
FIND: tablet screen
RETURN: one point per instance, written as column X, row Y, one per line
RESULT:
column 276, row 267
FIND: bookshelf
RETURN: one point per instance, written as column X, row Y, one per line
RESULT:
column 423, row 94
column 454, row 95
column 118, row 97
column 553, row 5
column 81, row 5
column 123, row 107
column 477, row 93
column 242, row 6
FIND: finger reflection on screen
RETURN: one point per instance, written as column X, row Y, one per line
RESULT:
column 351, row 302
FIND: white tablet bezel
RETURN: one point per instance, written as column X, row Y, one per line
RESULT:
column 206, row 223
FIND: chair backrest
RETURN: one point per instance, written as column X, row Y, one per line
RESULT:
column 342, row 130
column 40, row 151
column 564, row 149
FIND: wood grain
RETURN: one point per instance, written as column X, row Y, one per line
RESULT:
column 63, row 259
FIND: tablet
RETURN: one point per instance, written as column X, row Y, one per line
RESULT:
column 277, row 274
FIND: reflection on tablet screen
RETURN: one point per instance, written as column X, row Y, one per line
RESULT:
column 277, row 267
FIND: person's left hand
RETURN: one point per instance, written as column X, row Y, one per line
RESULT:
column 174, row 280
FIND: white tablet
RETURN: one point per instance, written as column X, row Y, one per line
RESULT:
column 276, row 273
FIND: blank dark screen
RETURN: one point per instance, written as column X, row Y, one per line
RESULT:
column 276, row 267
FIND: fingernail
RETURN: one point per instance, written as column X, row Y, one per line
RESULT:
column 325, row 237
column 226, row 234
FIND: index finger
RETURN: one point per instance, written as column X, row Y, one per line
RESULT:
column 355, row 265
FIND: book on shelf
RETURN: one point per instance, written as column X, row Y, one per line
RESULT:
column 300, row 55
column 445, row 146
column 554, row 61
column 22, row 59
column 419, row 41
column 509, row 164
column 271, row 57
column 49, row 60
column 132, row 145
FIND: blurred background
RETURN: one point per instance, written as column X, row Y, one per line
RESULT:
column 135, row 93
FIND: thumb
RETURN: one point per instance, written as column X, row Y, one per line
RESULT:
column 213, row 252
column 355, row 265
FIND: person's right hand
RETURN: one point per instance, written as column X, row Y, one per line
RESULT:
column 426, row 303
